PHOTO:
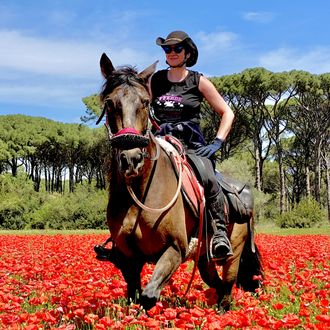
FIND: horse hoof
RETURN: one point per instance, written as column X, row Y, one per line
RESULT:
column 224, row 305
column 102, row 253
column 147, row 303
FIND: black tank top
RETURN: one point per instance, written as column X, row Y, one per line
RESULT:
column 175, row 102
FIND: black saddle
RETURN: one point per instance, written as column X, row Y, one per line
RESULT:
column 238, row 196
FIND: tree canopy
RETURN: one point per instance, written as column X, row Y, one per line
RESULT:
column 280, row 118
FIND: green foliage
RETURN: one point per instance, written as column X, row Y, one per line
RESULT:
column 306, row 214
column 23, row 208
column 18, row 199
column 239, row 167
column 265, row 206
column 12, row 212
column 83, row 209
column 93, row 108
column 271, row 181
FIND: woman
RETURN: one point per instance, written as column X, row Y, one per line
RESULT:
column 176, row 95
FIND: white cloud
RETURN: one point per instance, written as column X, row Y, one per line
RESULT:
column 259, row 17
column 315, row 60
column 211, row 42
column 63, row 58
column 56, row 73
column 41, row 56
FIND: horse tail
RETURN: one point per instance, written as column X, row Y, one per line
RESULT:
column 250, row 271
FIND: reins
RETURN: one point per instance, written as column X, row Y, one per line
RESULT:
column 173, row 200
column 170, row 204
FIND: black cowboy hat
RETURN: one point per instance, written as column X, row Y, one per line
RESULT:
column 177, row 37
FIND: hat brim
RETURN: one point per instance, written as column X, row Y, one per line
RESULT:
column 162, row 42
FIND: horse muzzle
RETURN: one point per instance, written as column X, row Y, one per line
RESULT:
column 131, row 162
column 128, row 138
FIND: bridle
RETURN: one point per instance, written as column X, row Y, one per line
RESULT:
column 127, row 137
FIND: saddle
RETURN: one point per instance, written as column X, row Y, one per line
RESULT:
column 238, row 198
column 238, row 195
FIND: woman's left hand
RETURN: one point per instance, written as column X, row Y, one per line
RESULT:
column 210, row 149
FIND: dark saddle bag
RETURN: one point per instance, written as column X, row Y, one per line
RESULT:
column 238, row 197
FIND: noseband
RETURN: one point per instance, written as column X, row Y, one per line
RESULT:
column 126, row 138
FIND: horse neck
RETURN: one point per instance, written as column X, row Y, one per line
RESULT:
column 155, row 169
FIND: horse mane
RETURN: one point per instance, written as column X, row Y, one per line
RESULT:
column 122, row 76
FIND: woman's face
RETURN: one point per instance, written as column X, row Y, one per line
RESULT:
column 174, row 54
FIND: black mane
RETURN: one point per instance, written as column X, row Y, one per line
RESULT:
column 123, row 76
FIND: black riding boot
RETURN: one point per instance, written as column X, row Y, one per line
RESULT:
column 220, row 247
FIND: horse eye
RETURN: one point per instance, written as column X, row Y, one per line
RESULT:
column 145, row 103
column 112, row 106
column 109, row 104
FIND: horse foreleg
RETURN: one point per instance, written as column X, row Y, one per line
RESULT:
column 209, row 274
column 131, row 270
column 230, row 269
column 164, row 269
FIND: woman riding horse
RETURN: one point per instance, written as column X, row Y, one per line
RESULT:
column 148, row 216
column 176, row 95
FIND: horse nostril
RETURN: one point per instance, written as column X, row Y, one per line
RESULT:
column 124, row 161
column 137, row 160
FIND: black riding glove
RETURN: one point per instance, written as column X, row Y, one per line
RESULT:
column 210, row 149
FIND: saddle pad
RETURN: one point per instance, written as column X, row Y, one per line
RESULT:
column 192, row 189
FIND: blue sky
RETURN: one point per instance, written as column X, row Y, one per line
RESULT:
column 50, row 49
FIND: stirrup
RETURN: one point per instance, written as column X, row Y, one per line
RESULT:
column 224, row 245
column 102, row 253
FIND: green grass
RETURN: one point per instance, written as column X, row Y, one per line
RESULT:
column 271, row 228
column 263, row 227
column 55, row 232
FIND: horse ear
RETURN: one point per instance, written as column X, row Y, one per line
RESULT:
column 146, row 73
column 106, row 66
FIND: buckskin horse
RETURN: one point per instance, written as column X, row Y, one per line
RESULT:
column 148, row 215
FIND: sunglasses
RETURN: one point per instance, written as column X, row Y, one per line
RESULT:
column 177, row 49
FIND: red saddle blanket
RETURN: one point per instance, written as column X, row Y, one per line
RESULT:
column 192, row 189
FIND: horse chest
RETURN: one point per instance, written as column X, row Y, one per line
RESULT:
column 137, row 233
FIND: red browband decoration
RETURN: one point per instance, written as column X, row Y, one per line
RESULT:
column 128, row 130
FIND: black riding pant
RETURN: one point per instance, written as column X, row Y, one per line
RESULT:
column 204, row 169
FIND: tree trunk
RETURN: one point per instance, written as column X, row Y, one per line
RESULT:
column 52, row 185
column 317, row 179
column 282, row 182
column 327, row 178
column 71, row 179
column 46, row 178
column 257, row 169
column 308, row 183
column 13, row 166
column 37, row 178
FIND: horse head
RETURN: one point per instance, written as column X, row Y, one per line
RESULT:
column 126, row 101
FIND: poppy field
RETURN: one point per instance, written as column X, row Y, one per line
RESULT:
column 55, row 282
